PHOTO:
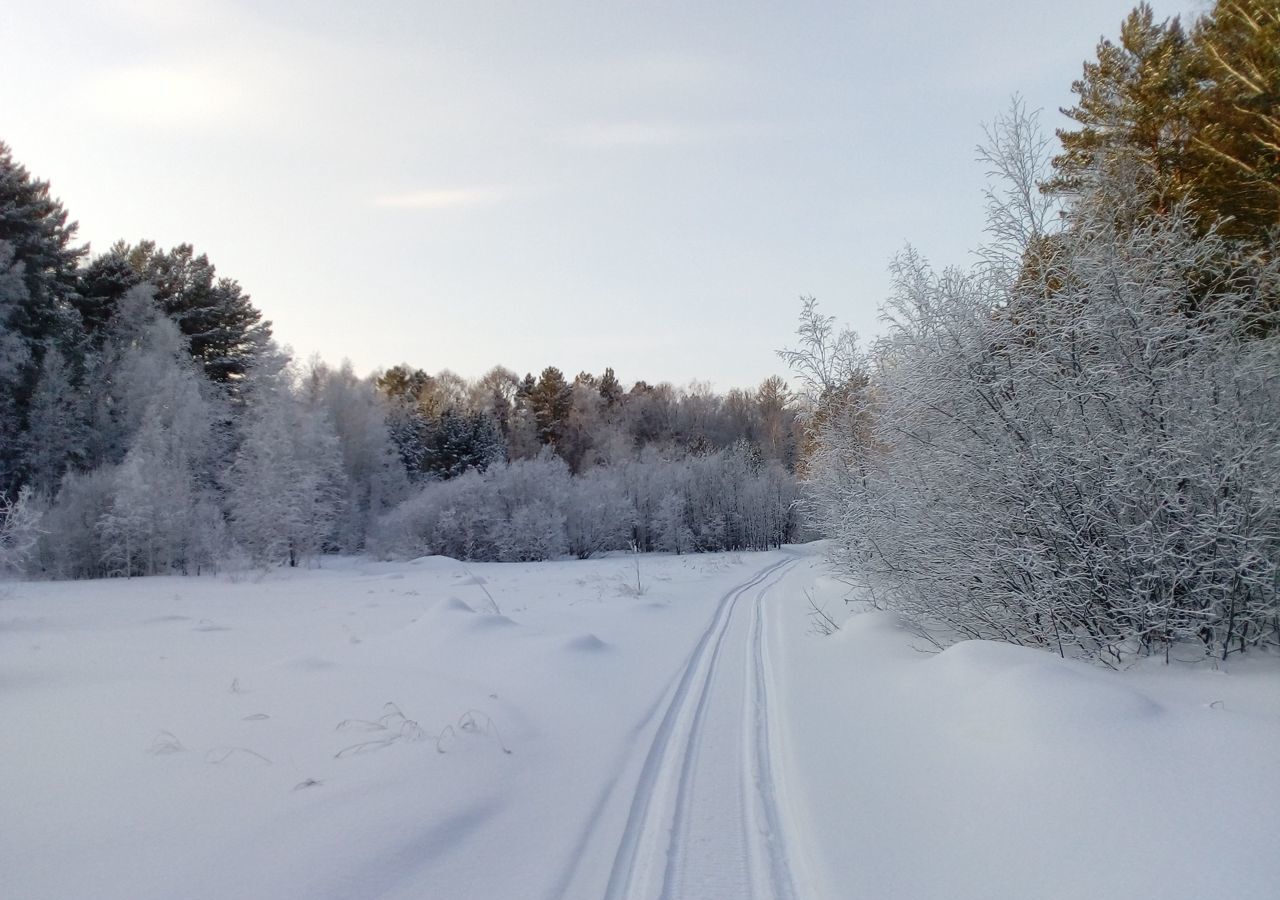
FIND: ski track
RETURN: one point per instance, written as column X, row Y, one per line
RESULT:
column 704, row 822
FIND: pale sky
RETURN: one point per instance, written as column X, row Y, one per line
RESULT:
column 649, row 186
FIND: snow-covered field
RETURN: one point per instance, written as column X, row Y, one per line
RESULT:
column 435, row 729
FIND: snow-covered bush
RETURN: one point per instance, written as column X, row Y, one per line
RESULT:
column 1075, row 445
column 19, row 531
column 508, row 512
column 599, row 517
column 535, row 509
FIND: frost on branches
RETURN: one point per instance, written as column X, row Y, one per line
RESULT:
column 1073, row 445
column 536, row 509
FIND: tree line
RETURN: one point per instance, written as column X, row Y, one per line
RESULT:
column 150, row 423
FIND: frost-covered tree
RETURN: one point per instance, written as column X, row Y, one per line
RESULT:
column 670, row 534
column 494, row 394
column 522, row 434
column 147, row 428
column 375, row 476
column 144, row 366
column 55, row 436
column 163, row 514
column 286, row 484
column 583, row 424
column 19, row 531
column 71, row 544
column 146, row 527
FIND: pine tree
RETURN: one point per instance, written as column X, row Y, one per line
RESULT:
column 551, row 400
column 459, row 441
column 37, row 284
column 225, row 332
column 15, row 359
column 610, row 388
column 100, row 288
column 1193, row 117
column 1132, row 104
column 1235, row 116
column 35, row 226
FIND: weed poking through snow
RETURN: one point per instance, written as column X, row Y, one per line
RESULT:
column 393, row 725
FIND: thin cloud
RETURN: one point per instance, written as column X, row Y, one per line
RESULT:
column 653, row 134
column 444, row 198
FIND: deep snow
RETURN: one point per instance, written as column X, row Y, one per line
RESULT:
column 381, row 730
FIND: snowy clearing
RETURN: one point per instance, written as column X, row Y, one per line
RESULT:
column 563, row 729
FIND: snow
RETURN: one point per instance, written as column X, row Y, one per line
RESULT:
column 990, row 770
column 544, row 730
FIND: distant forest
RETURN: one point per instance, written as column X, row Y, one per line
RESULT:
column 150, row 423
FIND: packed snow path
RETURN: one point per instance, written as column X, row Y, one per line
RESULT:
column 704, row 822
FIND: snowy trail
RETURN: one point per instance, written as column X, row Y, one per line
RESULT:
column 704, row 822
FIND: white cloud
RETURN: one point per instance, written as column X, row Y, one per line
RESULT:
column 444, row 198
column 654, row 134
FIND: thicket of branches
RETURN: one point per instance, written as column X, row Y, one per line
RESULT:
column 1073, row 444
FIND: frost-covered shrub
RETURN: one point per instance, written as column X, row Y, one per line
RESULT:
column 1075, row 445
column 19, row 531
column 534, row 509
column 599, row 517
column 72, row 545
column 535, row 531
column 510, row 511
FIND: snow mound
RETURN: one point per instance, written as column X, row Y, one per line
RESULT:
column 1003, row 692
column 456, row 604
column 435, row 563
column 586, row 643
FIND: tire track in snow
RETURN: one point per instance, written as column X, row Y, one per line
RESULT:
column 764, row 815
column 656, row 855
